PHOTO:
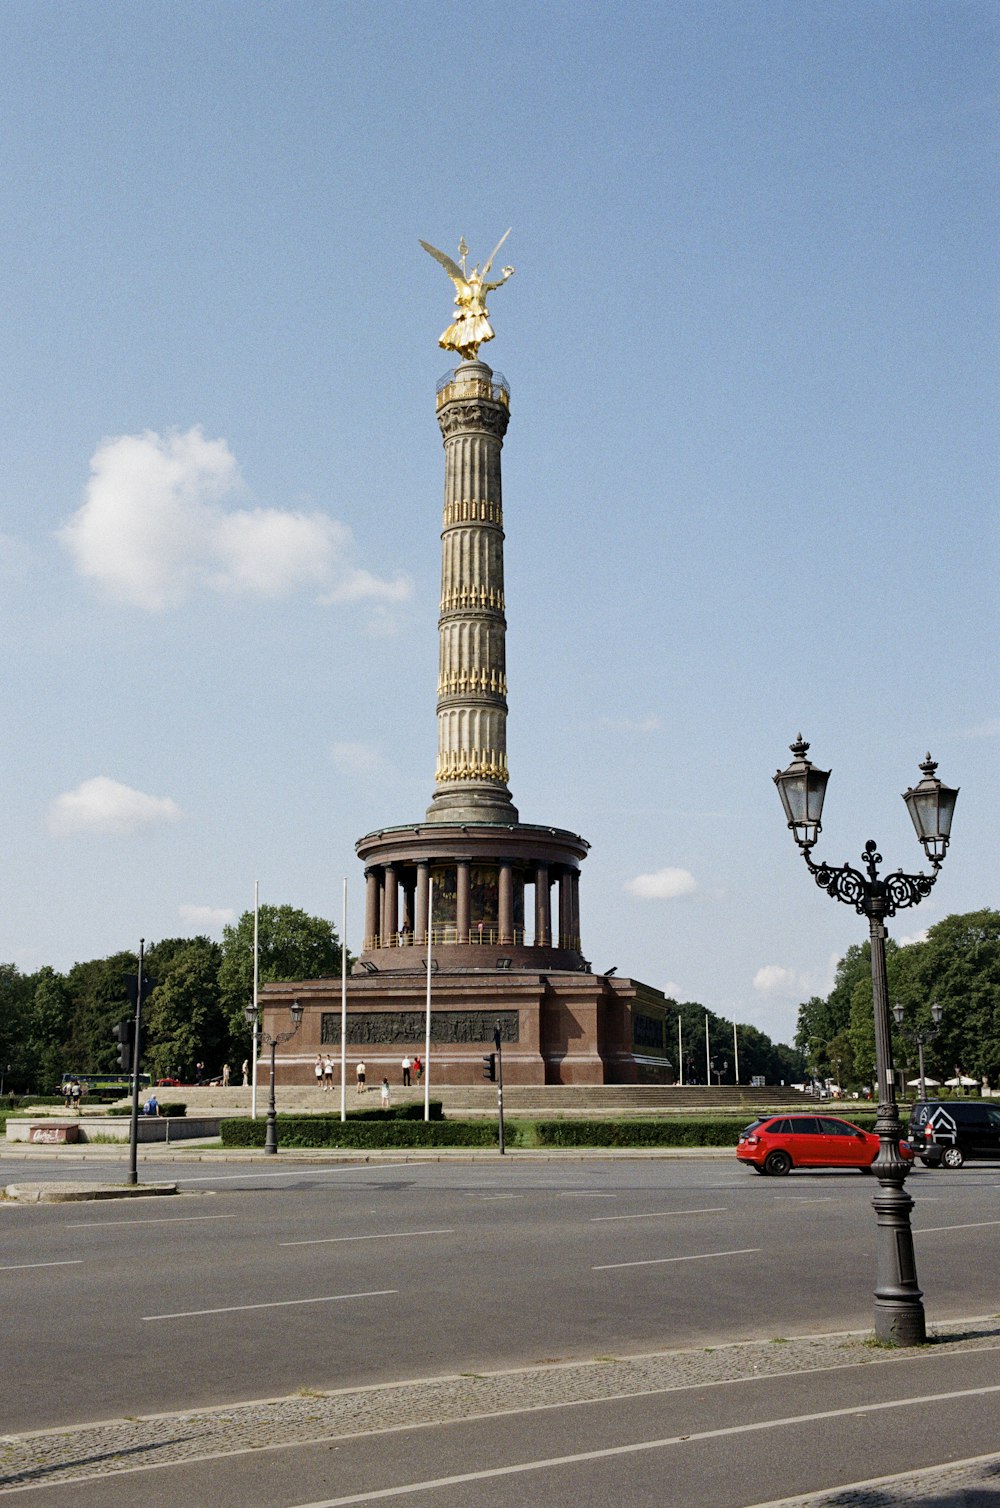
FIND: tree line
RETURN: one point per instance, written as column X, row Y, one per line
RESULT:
column 53, row 1023
column 957, row 966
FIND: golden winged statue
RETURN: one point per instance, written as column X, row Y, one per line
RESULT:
column 471, row 327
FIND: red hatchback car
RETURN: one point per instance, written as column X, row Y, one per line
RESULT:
column 777, row 1143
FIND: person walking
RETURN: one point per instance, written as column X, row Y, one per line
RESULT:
column 407, row 1065
column 318, row 1071
column 328, row 1073
column 385, row 1094
column 246, row 1072
column 418, row 1067
column 361, row 1078
column 225, row 1075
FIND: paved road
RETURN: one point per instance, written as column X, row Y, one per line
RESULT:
column 265, row 1281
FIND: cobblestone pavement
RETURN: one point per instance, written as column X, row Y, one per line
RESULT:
column 961, row 1484
column 114, row 1446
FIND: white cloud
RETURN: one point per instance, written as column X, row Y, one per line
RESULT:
column 101, row 805
column 773, row 979
column 662, row 885
column 154, row 529
column 914, row 937
column 360, row 760
column 211, row 918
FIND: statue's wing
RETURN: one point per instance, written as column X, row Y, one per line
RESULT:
column 496, row 248
column 451, row 268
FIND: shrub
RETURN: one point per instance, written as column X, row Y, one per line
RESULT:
column 414, row 1111
column 367, row 1133
column 689, row 1131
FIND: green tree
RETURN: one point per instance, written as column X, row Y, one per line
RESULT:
column 97, row 1001
column 292, row 945
column 185, row 1022
column 16, row 991
column 48, row 1029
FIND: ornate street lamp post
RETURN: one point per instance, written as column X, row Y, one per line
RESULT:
column 899, row 1312
column 295, row 1011
column 920, row 1037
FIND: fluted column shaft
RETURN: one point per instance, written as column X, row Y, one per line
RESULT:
column 471, row 774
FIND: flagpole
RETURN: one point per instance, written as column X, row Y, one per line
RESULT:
column 343, row 1005
column 736, row 1054
column 708, row 1055
column 256, row 985
column 427, row 1030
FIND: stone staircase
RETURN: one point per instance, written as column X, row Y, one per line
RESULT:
column 593, row 1100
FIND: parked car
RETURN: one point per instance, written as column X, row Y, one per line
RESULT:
column 943, row 1133
column 167, row 1083
column 777, row 1143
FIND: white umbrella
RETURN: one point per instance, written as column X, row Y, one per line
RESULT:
column 961, row 1079
column 931, row 1083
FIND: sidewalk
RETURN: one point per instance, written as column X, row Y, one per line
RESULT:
column 114, row 1448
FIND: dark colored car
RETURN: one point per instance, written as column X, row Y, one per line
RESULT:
column 777, row 1143
column 943, row 1133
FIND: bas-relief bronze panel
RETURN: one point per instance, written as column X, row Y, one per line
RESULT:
column 374, row 1028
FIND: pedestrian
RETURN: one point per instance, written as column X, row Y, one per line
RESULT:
column 199, row 1072
column 407, row 1065
column 418, row 1067
column 152, row 1106
column 328, row 1073
column 318, row 1071
column 225, row 1075
column 75, row 1092
column 361, row 1078
column 385, row 1094
column 246, row 1072
column 66, row 1098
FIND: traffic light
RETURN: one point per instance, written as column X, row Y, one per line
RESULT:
column 124, row 1035
column 490, row 1066
column 132, row 987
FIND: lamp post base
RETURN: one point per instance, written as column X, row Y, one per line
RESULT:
column 899, row 1309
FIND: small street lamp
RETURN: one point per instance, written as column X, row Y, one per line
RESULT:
column 295, row 1011
column 920, row 1037
column 899, row 1311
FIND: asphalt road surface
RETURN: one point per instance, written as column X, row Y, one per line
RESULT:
column 272, row 1279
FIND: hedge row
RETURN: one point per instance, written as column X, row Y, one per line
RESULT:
column 414, row 1111
column 318, row 1131
column 167, row 1107
column 670, row 1131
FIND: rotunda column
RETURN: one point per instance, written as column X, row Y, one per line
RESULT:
column 543, row 912
column 371, row 907
column 423, row 890
column 506, row 904
column 462, row 899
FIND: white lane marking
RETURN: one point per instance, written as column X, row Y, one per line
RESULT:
column 492, row 1197
column 715, row 1209
column 805, row 1198
column 20, row 1266
column 930, row 1230
column 156, row 1220
column 701, row 1256
column 389, row 1235
column 306, row 1171
column 329, row 1298
column 610, row 1451
column 583, row 1194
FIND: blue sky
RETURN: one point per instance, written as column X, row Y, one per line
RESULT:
column 749, row 481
